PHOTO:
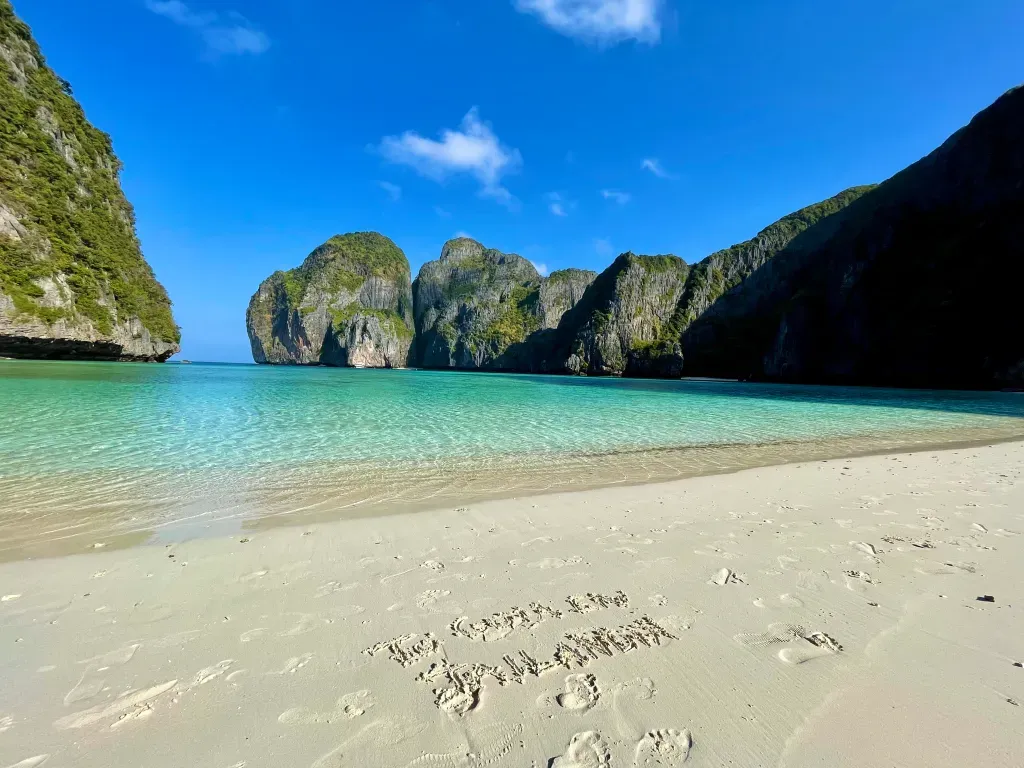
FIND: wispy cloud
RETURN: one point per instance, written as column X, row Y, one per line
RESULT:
column 230, row 34
column 394, row 191
column 654, row 166
column 541, row 268
column 603, row 247
column 442, row 212
column 556, row 204
column 474, row 149
column 461, row 233
column 601, row 22
column 613, row 194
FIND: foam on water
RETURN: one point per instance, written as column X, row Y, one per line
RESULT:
column 87, row 445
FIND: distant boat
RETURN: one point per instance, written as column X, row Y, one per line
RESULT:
column 185, row 362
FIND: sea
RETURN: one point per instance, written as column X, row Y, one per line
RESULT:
column 96, row 455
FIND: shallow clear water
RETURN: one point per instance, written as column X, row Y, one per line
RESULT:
column 152, row 444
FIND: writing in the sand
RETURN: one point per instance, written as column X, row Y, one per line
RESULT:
column 462, row 683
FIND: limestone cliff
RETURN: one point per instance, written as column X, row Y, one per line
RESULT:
column 73, row 281
column 915, row 283
column 349, row 304
column 624, row 310
column 478, row 308
column 720, row 272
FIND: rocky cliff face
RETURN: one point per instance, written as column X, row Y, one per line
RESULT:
column 478, row 308
column 73, row 281
column 349, row 304
column 915, row 283
column 722, row 271
column 622, row 312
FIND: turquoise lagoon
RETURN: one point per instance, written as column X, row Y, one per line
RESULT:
column 97, row 453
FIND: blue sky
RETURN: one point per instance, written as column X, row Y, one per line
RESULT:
column 564, row 130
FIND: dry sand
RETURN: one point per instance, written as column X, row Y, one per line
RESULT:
column 819, row 614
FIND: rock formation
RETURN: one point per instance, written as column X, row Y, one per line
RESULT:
column 478, row 308
column 721, row 271
column 624, row 310
column 73, row 281
column 349, row 304
column 916, row 283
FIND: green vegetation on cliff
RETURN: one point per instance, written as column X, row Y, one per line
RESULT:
column 348, row 304
column 344, row 263
column 722, row 271
column 59, row 177
column 622, row 311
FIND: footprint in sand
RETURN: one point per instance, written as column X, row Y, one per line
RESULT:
column 868, row 549
column 428, row 600
column 666, row 748
column 658, row 600
column 676, row 624
column 580, row 695
column 5, row 723
column 726, row 576
column 821, row 643
column 625, row 700
column 208, row 674
column 251, row 634
column 294, row 664
column 7, row 599
column 484, row 748
column 585, row 750
column 133, row 700
column 855, row 580
column 330, row 587
column 348, row 707
column 786, row 600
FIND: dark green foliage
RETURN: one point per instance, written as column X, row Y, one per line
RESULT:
column 344, row 263
column 389, row 320
column 722, row 271
column 517, row 320
column 375, row 253
column 80, row 224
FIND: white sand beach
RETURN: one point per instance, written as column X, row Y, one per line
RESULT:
column 817, row 614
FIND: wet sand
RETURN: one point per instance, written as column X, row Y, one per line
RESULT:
column 50, row 516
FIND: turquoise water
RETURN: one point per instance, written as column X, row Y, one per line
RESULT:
column 150, row 441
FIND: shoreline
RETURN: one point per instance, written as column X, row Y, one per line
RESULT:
column 414, row 490
column 796, row 613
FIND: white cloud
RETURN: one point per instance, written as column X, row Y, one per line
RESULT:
column 555, row 204
column 231, row 34
column 654, row 166
column 460, row 233
column 393, row 190
column 613, row 194
column 474, row 149
column 541, row 268
column 603, row 246
column 442, row 212
column 602, row 22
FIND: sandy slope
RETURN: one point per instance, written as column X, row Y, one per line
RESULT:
column 821, row 614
